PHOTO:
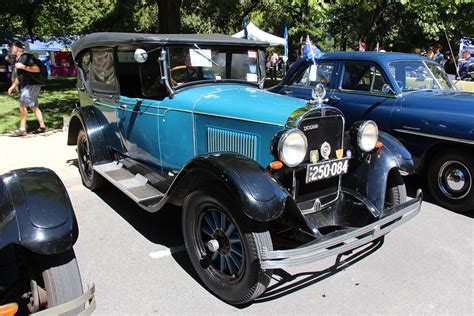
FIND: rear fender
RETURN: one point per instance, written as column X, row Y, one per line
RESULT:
column 36, row 212
column 84, row 118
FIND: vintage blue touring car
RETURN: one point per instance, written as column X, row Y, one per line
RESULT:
column 265, row 181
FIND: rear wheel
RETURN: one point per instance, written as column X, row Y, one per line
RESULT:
column 223, row 245
column 450, row 180
column 90, row 178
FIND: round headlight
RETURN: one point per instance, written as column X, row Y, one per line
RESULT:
column 367, row 136
column 292, row 147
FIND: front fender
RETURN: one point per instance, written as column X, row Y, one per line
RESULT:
column 369, row 175
column 35, row 212
column 256, row 193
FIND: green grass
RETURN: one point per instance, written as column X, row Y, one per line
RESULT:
column 57, row 99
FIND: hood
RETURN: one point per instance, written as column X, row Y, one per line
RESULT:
column 241, row 102
column 450, row 102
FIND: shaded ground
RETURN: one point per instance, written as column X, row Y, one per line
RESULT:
column 56, row 100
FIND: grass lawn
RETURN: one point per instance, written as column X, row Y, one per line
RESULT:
column 57, row 99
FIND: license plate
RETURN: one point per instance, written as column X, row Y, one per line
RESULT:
column 327, row 169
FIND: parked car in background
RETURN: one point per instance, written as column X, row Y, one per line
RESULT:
column 38, row 228
column 5, row 73
column 409, row 97
column 265, row 181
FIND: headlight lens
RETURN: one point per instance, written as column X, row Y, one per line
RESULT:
column 367, row 136
column 292, row 147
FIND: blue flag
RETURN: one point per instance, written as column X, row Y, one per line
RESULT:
column 310, row 51
column 285, row 35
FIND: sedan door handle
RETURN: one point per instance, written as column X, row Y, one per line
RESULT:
column 333, row 97
column 288, row 92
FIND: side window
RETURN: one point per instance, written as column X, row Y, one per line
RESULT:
column 85, row 64
column 103, row 78
column 314, row 74
column 362, row 77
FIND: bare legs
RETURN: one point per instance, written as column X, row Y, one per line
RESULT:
column 24, row 115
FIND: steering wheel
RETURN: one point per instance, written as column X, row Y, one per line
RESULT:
column 183, row 74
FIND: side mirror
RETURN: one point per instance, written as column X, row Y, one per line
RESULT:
column 387, row 89
column 140, row 55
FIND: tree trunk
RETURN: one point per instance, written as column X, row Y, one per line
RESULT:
column 169, row 14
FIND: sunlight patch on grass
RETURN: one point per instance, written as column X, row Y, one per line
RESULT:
column 57, row 99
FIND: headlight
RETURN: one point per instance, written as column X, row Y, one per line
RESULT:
column 366, row 134
column 292, row 147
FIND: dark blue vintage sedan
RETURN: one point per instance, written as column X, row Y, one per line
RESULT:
column 409, row 97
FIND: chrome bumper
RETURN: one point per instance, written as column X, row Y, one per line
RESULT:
column 318, row 249
column 88, row 297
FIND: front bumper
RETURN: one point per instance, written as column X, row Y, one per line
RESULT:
column 354, row 238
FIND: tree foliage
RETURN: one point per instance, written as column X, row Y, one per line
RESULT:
column 400, row 25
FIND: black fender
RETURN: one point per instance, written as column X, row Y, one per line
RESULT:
column 256, row 193
column 35, row 212
column 368, row 173
column 85, row 118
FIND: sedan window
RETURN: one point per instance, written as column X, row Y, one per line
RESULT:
column 314, row 74
column 418, row 75
column 362, row 77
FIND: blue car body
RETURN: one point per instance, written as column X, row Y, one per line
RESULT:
column 183, row 119
column 427, row 121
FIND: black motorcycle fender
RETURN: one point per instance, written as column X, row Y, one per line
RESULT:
column 256, row 193
column 36, row 212
column 84, row 118
column 368, row 173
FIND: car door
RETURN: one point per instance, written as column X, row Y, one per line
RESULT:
column 139, row 107
column 305, row 79
column 363, row 92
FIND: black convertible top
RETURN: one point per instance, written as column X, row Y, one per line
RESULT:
column 112, row 39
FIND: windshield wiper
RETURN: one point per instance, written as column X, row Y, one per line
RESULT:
column 200, row 52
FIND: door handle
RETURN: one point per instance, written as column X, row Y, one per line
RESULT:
column 335, row 98
column 121, row 107
column 288, row 92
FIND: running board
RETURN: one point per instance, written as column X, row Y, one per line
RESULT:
column 134, row 186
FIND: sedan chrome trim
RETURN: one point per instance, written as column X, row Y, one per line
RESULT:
column 399, row 214
column 452, row 139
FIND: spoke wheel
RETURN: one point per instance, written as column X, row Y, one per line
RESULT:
column 89, row 177
column 223, row 245
column 450, row 180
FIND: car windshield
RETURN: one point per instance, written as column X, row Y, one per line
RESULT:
column 196, row 63
column 419, row 75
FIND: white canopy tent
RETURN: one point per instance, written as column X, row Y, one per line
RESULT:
column 255, row 33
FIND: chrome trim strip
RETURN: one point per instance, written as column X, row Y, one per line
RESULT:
column 239, row 119
column 279, row 259
column 452, row 139
column 382, row 95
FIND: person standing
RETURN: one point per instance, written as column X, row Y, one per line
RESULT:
column 26, row 70
column 464, row 67
column 438, row 56
column 273, row 65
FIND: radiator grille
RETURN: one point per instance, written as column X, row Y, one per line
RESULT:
column 219, row 139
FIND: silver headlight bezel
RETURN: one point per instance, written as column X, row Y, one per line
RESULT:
column 361, row 134
column 281, row 144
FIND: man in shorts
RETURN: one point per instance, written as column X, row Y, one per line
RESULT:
column 29, row 87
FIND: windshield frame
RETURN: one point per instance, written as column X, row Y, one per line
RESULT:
column 425, row 63
column 259, row 72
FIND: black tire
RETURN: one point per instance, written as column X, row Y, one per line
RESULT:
column 90, row 178
column 61, row 277
column 450, row 180
column 240, row 279
column 396, row 190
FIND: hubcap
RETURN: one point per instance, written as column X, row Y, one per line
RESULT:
column 454, row 180
column 222, row 242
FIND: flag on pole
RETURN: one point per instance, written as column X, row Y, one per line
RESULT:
column 285, row 35
column 310, row 51
column 246, row 33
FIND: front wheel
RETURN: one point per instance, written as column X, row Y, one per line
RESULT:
column 450, row 180
column 223, row 245
column 396, row 192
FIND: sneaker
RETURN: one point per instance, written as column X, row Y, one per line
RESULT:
column 18, row 133
column 40, row 130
